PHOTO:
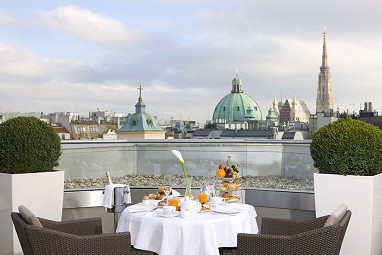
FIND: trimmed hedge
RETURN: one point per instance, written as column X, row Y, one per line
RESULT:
column 28, row 145
column 348, row 147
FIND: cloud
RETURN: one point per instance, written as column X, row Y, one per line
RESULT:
column 185, row 55
column 7, row 20
column 16, row 64
column 85, row 24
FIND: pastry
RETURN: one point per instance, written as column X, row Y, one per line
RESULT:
column 230, row 198
column 161, row 196
column 205, row 207
column 153, row 196
column 161, row 203
column 161, row 190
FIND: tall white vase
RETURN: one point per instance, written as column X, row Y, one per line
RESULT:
column 42, row 193
column 363, row 195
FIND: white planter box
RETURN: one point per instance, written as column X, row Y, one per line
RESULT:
column 363, row 195
column 42, row 193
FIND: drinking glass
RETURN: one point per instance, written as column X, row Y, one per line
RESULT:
column 167, row 191
column 174, row 202
column 203, row 198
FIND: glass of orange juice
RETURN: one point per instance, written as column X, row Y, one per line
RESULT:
column 174, row 202
column 203, row 198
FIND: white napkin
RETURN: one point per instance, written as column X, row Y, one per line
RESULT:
column 175, row 193
column 141, row 208
column 108, row 195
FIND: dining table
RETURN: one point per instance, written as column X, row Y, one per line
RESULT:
column 202, row 233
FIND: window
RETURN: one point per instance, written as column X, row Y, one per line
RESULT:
column 81, row 129
column 93, row 129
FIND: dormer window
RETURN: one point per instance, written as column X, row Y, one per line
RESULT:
column 134, row 122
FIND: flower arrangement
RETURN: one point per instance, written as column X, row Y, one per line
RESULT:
column 178, row 155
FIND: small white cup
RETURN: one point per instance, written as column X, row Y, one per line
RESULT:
column 168, row 209
column 184, row 213
column 216, row 200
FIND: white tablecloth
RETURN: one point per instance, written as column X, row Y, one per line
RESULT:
column 201, row 234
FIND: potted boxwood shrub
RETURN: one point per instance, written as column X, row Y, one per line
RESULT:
column 348, row 156
column 29, row 151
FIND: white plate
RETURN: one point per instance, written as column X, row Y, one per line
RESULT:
column 227, row 210
column 160, row 213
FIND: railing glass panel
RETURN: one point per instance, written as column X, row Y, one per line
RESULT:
column 263, row 164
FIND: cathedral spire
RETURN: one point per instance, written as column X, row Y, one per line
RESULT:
column 324, row 52
column 324, row 101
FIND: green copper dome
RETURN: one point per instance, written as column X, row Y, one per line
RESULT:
column 271, row 114
column 236, row 106
column 140, row 120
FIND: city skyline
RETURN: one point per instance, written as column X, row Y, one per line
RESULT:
column 60, row 56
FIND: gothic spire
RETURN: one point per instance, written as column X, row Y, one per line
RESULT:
column 324, row 101
column 324, row 52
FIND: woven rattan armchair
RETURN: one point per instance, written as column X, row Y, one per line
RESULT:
column 74, row 237
column 291, row 237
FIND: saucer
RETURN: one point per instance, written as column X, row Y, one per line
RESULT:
column 160, row 213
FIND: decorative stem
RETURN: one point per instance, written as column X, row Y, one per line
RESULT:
column 178, row 155
column 188, row 190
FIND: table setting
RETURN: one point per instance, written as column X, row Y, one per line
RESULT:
column 169, row 223
column 164, row 230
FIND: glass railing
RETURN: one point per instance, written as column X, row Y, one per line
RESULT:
column 263, row 164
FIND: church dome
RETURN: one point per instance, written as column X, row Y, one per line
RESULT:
column 281, row 103
column 236, row 106
column 140, row 121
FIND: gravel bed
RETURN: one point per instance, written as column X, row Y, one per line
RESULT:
column 141, row 180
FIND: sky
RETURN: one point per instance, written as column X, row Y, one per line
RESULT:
column 82, row 56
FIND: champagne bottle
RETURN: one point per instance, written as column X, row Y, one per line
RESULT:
column 109, row 181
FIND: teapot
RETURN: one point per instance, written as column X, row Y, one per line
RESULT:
column 192, row 206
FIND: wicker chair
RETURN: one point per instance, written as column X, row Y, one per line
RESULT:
column 74, row 237
column 291, row 237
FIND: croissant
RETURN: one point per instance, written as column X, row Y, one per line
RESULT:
column 153, row 196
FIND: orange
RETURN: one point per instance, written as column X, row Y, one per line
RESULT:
column 220, row 173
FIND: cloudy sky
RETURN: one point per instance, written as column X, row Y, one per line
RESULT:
column 79, row 56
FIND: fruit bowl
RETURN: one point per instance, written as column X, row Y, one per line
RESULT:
column 228, row 170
